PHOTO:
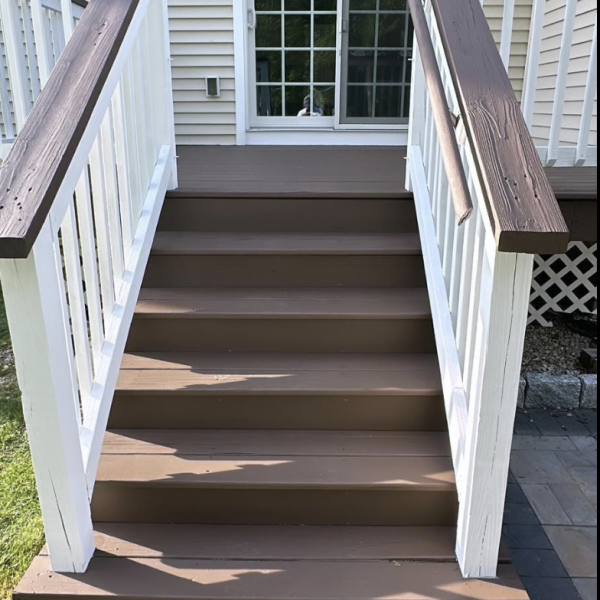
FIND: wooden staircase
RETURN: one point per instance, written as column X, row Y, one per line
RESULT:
column 278, row 431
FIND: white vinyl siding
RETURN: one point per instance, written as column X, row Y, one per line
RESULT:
column 494, row 9
column 202, row 45
column 578, row 70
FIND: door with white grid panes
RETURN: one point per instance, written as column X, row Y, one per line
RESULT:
column 329, row 63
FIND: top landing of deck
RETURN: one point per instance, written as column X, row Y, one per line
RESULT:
column 323, row 171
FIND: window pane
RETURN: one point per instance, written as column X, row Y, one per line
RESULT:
column 268, row 67
column 325, row 31
column 269, row 102
column 324, row 99
column 268, row 5
column 298, row 5
column 326, row 5
column 325, row 67
column 268, row 31
column 360, row 102
column 363, row 4
column 362, row 31
column 297, row 100
column 390, row 67
column 392, row 31
column 394, row 5
column 389, row 102
column 297, row 31
column 361, row 66
column 297, row 67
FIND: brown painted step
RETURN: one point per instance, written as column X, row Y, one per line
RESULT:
column 254, row 478
column 147, row 562
column 282, row 320
column 289, row 215
column 280, row 391
column 185, row 259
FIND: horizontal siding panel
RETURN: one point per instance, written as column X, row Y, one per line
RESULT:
column 202, row 45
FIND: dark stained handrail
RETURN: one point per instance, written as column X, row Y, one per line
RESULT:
column 43, row 151
column 457, row 179
column 520, row 200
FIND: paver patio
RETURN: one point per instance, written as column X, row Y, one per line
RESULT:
column 551, row 522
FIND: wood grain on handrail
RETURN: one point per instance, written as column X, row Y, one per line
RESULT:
column 457, row 180
column 521, row 202
column 33, row 173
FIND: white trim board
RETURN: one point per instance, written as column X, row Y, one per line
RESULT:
column 330, row 137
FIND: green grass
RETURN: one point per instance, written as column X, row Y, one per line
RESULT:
column 21, row 529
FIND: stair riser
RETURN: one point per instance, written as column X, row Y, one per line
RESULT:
column 282, row 335
column 294, row 506
column 316, row 413
column 289, row 216
column 285, row 271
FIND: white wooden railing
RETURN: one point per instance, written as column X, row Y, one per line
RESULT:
column 479, row 294
column 70, row 302
column 33, row 35
column 553, row 90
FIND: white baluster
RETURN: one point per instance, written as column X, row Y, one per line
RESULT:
column 15, row 56
column 564, row 63
column 589, row 104
column 40, row 31
column 105, row 261
column 508, row 28
column 77, row 306
column 5, row 104
column 534, row 53
column 112, row 197
column 83, row 198
column 123, row 168
column 67, row 19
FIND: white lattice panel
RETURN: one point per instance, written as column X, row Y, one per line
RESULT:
column 565, row 283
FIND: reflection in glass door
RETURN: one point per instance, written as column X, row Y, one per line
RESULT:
column 295, row 45
column 377, row 39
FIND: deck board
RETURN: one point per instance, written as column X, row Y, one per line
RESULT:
column 179, row 579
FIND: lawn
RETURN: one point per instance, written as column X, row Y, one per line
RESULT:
column 21, row 530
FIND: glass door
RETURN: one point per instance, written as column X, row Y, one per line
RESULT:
column 377, row 62
column 295, row 62
column 329, row 63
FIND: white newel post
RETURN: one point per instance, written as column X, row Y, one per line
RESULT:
column 505, row 293
column 44, row 354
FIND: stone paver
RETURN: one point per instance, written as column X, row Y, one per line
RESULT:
column 577, row 548
column 588, row 588
column 552, row 504
column 546, row 505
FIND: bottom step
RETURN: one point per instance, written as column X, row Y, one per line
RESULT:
column 142, row 562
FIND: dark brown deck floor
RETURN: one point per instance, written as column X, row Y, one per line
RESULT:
column 345, row 172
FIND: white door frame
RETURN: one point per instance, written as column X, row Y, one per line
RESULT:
column 338, row 135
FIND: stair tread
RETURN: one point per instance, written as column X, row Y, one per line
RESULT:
column 409, row 303
column 224, row 244
column 268, row 374
column 275, row 443
column 313, row 461
column 193, row 579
